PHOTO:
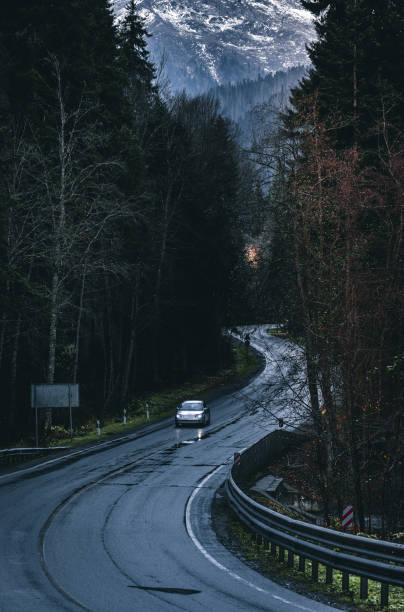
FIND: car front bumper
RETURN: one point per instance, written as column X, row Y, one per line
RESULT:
column 189, row 420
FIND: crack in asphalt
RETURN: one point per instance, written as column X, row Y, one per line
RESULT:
column 56, row 511
column 175, row 590
column 155, row 590
column 151, row 486
column 153, row 456
column 146, row 460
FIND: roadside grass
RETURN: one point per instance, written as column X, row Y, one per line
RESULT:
column 271, row 566
column 162, row 404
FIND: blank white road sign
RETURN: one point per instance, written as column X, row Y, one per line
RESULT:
column 55, row 396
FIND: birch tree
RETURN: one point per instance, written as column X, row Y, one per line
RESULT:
column 76, row 200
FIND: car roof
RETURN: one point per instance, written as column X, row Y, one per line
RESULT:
column 192, row 402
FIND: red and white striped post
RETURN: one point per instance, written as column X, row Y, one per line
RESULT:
column 347, row 517
column 236, row 459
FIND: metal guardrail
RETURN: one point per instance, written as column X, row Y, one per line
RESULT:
column 365, row 557
column 18, row 455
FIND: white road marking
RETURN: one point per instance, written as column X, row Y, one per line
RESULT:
column 40, row 465
column 85, row 451
column 213, row 560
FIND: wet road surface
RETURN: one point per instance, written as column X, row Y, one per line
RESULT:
column 129, row 528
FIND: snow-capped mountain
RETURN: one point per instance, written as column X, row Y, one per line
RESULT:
column 211, row 42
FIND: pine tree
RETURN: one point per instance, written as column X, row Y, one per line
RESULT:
column 134, row 56
column 346, row 226
column 80, row 34
column 358, row 64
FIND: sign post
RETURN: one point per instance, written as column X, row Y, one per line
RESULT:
column 33, row 401
column 70, row 414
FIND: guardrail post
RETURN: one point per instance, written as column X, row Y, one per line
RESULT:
column 273, row 549
column 302, row 564
column 384, row 595
column 314, row 571
column 281, row 554
column 291, row 558
column 345, row 581
column 328, row 574
column 259, row 539
column 364, row 588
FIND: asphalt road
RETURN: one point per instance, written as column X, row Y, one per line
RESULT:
column 129, row 528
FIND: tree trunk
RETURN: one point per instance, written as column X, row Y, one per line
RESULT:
column 4, row 325
column 157, row 292
column 131, row 350
column 50, row 378
column 59, row 231
column 109, row 349
column 78, row 325
column 13, row 374
column 2, row 336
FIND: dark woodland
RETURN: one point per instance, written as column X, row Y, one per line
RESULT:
column 126, row 215
column 332, row 261
column 118, row 225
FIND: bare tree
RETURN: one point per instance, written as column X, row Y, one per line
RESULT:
column 76, row 201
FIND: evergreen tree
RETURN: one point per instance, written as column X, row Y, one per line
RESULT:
column 116, row 230
column 80, row 34
column 342, row 232
column 358, row 66
column 134, row 57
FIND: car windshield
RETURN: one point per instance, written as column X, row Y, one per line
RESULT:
column 192, row 406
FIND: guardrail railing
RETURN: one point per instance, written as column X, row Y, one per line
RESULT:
column 17, row 455
column 364, row 557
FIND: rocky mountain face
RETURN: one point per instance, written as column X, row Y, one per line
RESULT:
column 212, row 42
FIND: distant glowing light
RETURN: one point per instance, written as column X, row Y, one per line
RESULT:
column 252, row 254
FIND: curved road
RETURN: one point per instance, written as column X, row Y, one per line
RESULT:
column 129, row 528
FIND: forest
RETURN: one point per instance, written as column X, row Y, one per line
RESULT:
column 125, row 214
column 331, row 256
column 118, row 232
column 236, row 99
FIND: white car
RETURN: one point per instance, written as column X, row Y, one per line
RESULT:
column 192, row 412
